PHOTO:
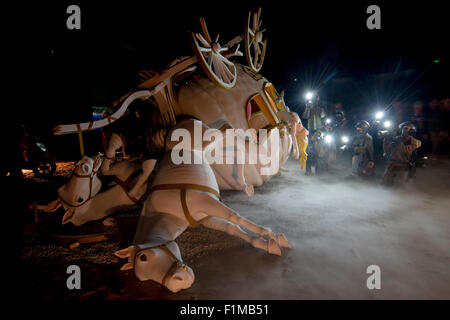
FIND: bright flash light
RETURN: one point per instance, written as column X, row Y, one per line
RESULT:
column 309, row 95
column 379, row 115
column 328, row 121
column 344, row 139
column 328, row 138
column 387, row 124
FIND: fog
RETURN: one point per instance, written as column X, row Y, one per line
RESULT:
column 337, row 229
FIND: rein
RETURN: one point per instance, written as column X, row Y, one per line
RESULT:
column 124, row 186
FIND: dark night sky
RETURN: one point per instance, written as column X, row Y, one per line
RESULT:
column 311, row 44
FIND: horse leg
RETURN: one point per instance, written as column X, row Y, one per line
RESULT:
column 234, row 230
column 114, row 143
column 215, row 208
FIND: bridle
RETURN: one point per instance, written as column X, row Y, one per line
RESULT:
column 177, row 263
column 87, row 176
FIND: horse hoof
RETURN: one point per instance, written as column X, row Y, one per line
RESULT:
column 273, row 247
column 249, row 190
column 267, row 232
column 283, row 241
column 115, row 141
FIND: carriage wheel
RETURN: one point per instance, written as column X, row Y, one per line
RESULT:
column 210, row 57
column 45, row 168
column 255, row 46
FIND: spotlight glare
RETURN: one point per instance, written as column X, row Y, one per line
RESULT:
column 344, row 139
column 387, row 124
column 328, row 121
column 328, row 138
column 309, row 95
column 379, row 115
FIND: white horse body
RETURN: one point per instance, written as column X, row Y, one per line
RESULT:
column 184, row 195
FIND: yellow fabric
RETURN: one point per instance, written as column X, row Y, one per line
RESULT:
column 273, row 97
column 302, row 140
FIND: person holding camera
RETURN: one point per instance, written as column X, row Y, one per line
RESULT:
column 314, row 114
column 401, row 151
column 316, row 153
column 362, row 159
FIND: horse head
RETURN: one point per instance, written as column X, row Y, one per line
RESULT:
column 160, row 263
column 75, row 195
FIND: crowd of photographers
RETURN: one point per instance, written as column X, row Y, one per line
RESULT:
column 399, row 138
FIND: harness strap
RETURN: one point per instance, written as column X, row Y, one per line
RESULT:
column 175, row 265
column 70, row 204
column 183, row 187
column 124, row 184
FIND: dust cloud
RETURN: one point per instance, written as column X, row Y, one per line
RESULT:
column 337, row 228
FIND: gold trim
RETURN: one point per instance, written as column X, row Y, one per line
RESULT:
column 262, row 105
column 80, row 140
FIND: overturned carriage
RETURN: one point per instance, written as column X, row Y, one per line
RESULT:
column 210, row 87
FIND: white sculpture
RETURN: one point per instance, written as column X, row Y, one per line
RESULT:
column 225, row 91
column 80, row 197
column 188, row 194
column 185, row 195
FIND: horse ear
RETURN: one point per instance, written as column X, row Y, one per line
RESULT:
column 126, row 266
column 68, row 215
column 97, row 164
column 125, row 253
column 53, row 206
column 85, row 168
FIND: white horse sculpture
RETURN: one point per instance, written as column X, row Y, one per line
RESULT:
column 80, row 197
column 185, row 195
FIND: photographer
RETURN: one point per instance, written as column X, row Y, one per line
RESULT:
column 314, row 114
column 362, row 160
column 316, row 152
column 400, row 150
